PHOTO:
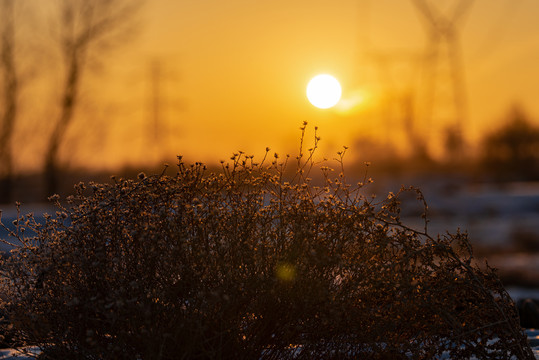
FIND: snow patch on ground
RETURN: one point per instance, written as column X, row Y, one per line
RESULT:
column 31, row 353
column 23, row 354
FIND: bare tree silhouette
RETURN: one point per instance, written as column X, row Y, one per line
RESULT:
column 10, row 96
column 512, row 151
column 86, row 28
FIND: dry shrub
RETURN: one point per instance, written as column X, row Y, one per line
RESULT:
column 250, row 264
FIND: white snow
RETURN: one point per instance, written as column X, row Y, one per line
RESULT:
column 23, row 354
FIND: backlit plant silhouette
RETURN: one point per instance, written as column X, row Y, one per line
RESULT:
column 252, row 262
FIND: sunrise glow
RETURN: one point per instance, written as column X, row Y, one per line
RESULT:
column 324, row 91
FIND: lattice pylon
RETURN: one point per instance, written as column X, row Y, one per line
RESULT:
column 443, row 112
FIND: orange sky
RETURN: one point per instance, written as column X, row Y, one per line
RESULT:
column 232, row 75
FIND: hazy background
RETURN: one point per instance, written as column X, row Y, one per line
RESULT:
column 206, row 78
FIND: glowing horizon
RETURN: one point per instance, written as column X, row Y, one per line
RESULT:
column 232, row 76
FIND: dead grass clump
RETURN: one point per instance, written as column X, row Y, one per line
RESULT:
column 249, row 264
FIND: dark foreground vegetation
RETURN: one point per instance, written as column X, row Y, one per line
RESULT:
column 252, row 262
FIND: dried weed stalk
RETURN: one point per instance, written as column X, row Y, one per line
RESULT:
column 250, row 263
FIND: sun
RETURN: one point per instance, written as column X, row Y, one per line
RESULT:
column 324, row 91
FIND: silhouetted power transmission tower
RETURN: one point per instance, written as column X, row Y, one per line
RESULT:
column 156, row 75
column 396, row 72
column 444, row 107
column 162, row 125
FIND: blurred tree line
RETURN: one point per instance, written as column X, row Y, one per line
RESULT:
column 511, row 152
column 508, row 152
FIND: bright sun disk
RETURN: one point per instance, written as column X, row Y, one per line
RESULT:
column 324, row 91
